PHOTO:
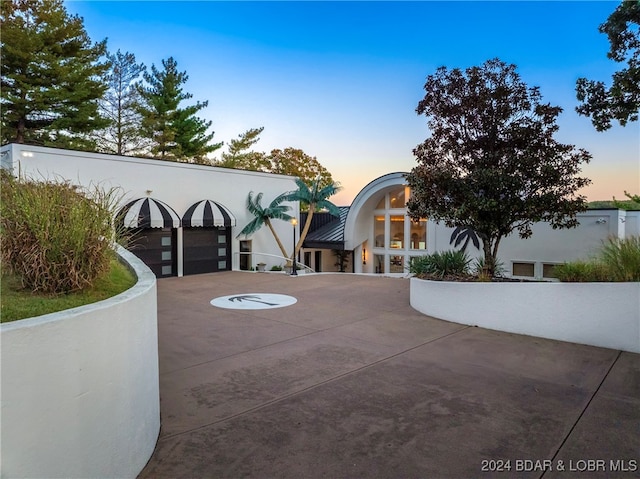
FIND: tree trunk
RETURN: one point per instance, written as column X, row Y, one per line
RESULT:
column 490, row 248
column 20, row 131
column 305, row 230
column 273, row 232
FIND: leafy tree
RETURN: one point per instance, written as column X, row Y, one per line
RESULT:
column 51, row 75
column 263, row 216
column 295, row 162
column 241, row 157
column 491, row 163
column 622, row 100
column 316, row 198
column 120, row 105
column 176, row 133
column 633, row 203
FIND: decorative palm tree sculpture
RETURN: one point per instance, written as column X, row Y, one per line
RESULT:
column 263, row 216
column 316, row 198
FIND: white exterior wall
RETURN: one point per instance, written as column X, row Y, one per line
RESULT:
column 631, row 223
column 598, row 314
column 177, row 184
column 80, row 393
column 547, row 245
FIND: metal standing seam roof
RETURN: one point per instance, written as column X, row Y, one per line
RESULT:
column 330, row 234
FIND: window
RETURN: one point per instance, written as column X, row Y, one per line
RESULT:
column 396, row 232
column 548, row 270
column 381, row 205
column 523, row 269
column 396, row 264
column 379, row 231
column 418, row 234
column 397, row 198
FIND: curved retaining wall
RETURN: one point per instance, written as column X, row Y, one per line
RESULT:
column 80, row 395
column 598, row 314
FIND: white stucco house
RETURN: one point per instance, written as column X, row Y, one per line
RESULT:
column 187, row 219
column 383, row 239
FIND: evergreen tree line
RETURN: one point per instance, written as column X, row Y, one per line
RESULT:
column 62, row 90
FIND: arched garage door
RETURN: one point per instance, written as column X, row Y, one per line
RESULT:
column 153, row 226
column 207, row 238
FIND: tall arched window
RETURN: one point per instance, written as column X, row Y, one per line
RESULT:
column 396, row 238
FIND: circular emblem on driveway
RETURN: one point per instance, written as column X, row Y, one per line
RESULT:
column 254, row 301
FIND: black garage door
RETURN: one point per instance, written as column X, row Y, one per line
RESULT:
column 206, row 250
column 156, row 247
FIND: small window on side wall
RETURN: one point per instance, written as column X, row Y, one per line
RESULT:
column 549, row 270
column 523, row 269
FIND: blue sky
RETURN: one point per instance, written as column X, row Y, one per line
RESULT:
column 341, row 80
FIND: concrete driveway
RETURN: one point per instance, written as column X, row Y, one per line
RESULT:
column 351, row 382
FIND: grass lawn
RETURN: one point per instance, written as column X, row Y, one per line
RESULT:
column 19, row 304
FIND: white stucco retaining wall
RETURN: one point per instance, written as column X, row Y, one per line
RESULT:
column 80, row 394
column 598, row 314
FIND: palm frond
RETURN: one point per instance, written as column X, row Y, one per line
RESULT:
column 280, row 214
column 252, row 227
column 253, row 205
column 280, row 199
column 327, row 205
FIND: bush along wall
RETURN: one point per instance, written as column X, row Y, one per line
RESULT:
column 55, row 237
column 618, row 260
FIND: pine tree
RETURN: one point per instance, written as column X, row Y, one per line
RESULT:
column 241, row 157
column 51, row 75
column 176, row 133
column 120, row 105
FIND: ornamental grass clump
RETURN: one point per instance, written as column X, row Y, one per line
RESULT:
column 621, row 257
column 618, row 260
column 582, row 272
column 441, row 265
column 55, row 237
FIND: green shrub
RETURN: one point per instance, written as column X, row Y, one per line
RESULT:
column 617, row 260
column 441, row 264
column 55, row 237
column 622, row 258
column 276, row 267
column 480, row 271
column 582, row 272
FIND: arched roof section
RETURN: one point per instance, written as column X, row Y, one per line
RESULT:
column 365, row 201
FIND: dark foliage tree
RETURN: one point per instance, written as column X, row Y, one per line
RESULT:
column 120, row 105
column 51, row 75
column 621, row 101
column 491, row 163
column 175, row 132
column 295, row 162
column 242, row 157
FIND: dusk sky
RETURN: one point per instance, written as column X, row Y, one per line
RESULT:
column 341, row 80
